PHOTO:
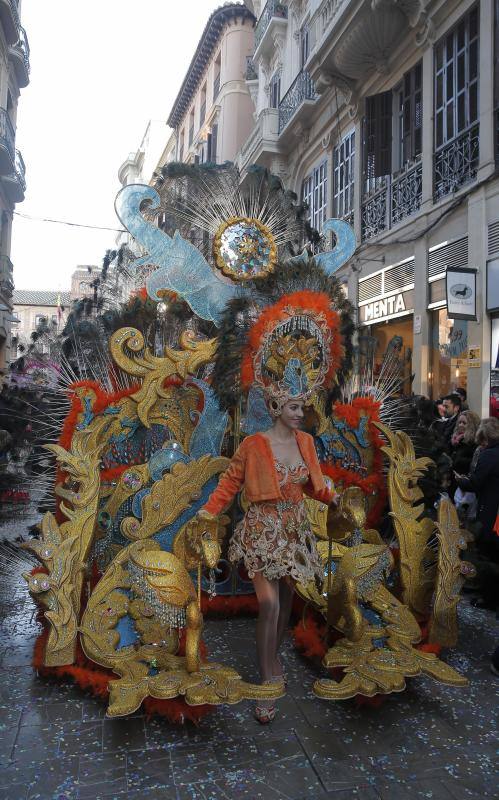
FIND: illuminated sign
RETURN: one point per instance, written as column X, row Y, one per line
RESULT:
column 396, row 305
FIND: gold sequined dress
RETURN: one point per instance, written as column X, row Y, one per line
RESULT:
column 274, row 537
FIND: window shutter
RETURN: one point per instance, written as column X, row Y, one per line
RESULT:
column 378, row 136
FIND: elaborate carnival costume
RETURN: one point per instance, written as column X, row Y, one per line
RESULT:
column 122, row 559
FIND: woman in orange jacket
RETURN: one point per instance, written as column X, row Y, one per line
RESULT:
column 274, row 539
column 283, row 350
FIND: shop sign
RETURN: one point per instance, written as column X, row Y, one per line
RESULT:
column 461, row 292
column 397, row 305
column 474, row 356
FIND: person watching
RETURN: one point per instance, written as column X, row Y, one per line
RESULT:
column 452, row 404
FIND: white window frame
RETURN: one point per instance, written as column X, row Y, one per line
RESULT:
column 314, row 194
column 344, row 176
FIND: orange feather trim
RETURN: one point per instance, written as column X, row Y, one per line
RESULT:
column 373, row 484
column 316, row 302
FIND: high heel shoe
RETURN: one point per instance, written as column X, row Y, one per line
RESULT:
column 264, row 714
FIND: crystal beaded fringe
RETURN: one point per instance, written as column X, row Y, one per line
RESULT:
column 169, row 615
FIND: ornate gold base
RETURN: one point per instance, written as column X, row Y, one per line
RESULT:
column 370, row 670
column 214, row 684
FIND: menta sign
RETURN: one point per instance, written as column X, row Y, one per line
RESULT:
column 397, row 305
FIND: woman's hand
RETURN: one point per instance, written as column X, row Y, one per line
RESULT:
column 335, row 501
column 205, row 515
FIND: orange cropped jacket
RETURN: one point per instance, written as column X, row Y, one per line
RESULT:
column 252, row 467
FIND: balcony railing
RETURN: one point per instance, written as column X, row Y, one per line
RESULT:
column 272, row 9
column 7, row 135
column 6, row 276
column 456, row 163
column 251, row 73
column 394, row 199
column 20, row 170
column 23, row 46
column 301, row 89
column 406, row 192
column 9, row 20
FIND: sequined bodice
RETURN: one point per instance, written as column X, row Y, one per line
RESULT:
column 274, row 536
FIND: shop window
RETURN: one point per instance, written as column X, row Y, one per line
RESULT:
column 392, row 343
column 343, row 176
column 448, row 354
column 314, row 194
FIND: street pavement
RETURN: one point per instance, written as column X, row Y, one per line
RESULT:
column 430, row 741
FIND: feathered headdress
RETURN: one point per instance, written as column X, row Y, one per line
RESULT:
column 289, row 339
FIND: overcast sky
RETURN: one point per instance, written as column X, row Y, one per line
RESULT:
column 100, row 70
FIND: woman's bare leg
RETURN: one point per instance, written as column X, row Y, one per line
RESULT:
column 286, row 591
column 267, row 593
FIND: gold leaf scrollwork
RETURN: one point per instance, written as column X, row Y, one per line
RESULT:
column 64, row 549
column 452, row 573
column 171, row 495
column 154, row 370
column 414, row 532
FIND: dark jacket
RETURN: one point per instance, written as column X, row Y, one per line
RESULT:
column 484, row 481
column 448, row 427
column 462, row 454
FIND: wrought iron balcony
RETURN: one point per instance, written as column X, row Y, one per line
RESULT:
column 251, row 73
column 394, row 199
column 301, row 90
column 406, row 193
column 456, row 163
column 272, row 10
column 20, row 170
column 9, row 17
column 374, row 218
column 19, row 53
column 6, row 276
column 7, row 144
column 14, row 184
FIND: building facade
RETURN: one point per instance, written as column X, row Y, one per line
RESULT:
column 14, row 76
column 213, row 113
column 386, row 115
column 32, row 308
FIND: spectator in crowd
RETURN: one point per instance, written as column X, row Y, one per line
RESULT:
column 464, row 454
column 464, row 398
column 463, row 441
column 452, row 405
column 483, row 480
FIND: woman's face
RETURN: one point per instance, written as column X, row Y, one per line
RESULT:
column 461, row 423
column 292, row 414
